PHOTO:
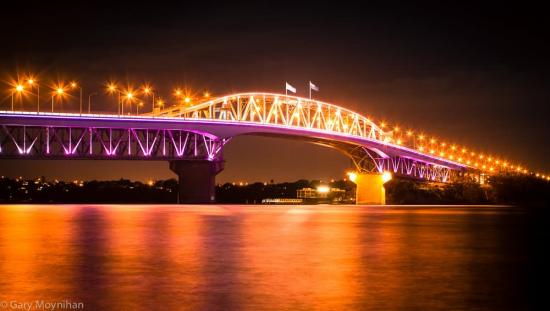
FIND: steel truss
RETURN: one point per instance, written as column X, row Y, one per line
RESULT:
column 46, row 142
column 301, row 113
column 366, row 160
column 274, row 109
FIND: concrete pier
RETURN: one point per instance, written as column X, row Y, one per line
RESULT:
column 196, row 180
column 370, row 188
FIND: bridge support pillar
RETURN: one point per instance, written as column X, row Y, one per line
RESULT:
column 196, row 180
column 370, row 188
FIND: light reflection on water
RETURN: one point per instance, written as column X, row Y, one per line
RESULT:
column 264, row 257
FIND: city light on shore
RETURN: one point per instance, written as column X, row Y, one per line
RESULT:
column 386, row 176
column 323, row 189
column 352, row 176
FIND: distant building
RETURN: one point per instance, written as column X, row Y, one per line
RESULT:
column 306, row 193
column 323, row 194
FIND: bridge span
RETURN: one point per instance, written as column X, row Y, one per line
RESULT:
column 192, row 140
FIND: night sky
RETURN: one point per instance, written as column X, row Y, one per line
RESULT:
column 471, row 75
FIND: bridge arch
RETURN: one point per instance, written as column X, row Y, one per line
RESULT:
column 370, row 148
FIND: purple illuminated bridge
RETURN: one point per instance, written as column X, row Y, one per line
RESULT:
column 192, row 138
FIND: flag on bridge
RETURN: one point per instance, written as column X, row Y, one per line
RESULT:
column 290, row 88
column 312, row 87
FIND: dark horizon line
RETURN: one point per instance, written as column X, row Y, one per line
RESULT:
column 161, row 179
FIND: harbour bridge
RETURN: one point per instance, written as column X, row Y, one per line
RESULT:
column 191, row 139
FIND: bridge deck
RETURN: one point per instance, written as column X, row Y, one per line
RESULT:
column 215, row 129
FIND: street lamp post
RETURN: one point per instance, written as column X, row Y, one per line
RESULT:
column 122, row 106
column 111, row 88
column 153, row 105
column 160, row 103
column 19, row 88
column 90, row 100
column 178, row 94
column 58, row 92
column 38, row 98
column 32, row 83
column 129, row 96
column 75, row 85
column 147, row 90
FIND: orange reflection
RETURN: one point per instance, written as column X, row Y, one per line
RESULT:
column 259, row 257
column 303, row 255
column 34, row 247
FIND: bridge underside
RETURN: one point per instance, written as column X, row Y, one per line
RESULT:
column 373, row 160
column 46, row 142
column 195, row 158
column 369, row 161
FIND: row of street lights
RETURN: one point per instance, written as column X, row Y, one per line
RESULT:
column 58, row 91
column 127, row 95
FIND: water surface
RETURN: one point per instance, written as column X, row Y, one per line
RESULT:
column 115, row 257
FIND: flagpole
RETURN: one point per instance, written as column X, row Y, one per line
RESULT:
column 309, row 90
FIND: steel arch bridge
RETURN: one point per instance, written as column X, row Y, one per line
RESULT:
column 200, row 131
column 370, row 148
column 196, row 135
